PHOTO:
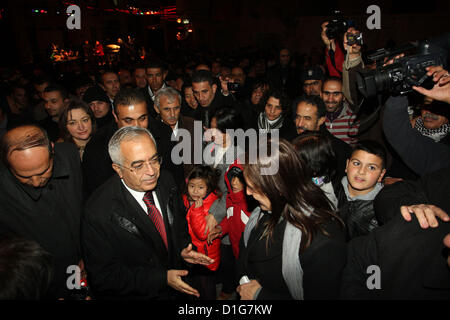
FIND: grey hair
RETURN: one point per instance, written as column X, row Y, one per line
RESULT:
column 168, row 92
column 125, row 134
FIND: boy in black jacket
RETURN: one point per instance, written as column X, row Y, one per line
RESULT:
column 365, row 170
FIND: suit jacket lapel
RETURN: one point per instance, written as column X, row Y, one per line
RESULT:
column 144, row 223
column 163, row 199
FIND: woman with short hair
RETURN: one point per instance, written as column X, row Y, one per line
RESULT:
column 77, row 124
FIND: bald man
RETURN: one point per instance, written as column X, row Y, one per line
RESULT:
column 41, row 198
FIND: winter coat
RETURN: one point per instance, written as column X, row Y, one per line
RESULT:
column 237, row 213
column 197, row 224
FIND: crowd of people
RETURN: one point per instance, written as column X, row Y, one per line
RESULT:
column 134, row 175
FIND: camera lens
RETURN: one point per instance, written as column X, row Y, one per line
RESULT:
column 367, row 84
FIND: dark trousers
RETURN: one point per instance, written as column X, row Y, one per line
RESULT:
column 204, row 280
column 227, row 269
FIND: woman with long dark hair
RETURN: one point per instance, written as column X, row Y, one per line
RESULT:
column 316, row 150
column 293, row 246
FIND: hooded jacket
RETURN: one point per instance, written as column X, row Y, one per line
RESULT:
column 237, row 210
column 197, row 225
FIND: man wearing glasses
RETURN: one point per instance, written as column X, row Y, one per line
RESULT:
column 340, row 120
column 134, row 231
column 41, row 198
column 312, row 79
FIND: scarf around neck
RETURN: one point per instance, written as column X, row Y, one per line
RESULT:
column 435, row 134
column 264, row 125
column 291, row 266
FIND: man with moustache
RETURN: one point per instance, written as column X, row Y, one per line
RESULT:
column 431, row 123
column 134, row 231
column 312, row 80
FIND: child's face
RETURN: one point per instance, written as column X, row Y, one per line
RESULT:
column 197, row 188
column 236, row 185
column 363, row 170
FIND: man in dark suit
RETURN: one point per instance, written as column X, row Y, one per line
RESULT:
column 135, row 227
column 130, row 109
column 156, row 74
column 168, row 107
column 41, row 198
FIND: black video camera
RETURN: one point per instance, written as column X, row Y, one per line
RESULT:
column 399, row 78
column 336, row 26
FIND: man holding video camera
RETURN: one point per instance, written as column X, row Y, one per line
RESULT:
column 353, row 62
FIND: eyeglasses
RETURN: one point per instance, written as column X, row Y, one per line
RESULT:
column 138, row 166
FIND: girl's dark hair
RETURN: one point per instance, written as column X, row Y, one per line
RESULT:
column 210, row 175
column 228, row 118
column 75, row 103
column 317, row 153
column 293, row 195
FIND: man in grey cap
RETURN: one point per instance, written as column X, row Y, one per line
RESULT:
column 312, row 79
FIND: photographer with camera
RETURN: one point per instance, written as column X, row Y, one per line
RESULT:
column 334, row 54
column 353, row 62
column 423, row 251
column 421, row 153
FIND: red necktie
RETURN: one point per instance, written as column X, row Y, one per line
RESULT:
column 155, row 215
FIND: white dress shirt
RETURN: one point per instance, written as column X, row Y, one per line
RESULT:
column 150, row 92
column 139, row 196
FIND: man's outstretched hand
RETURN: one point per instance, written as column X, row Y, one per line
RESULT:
column 195, row 257
column 174, row 280
column 425, row 213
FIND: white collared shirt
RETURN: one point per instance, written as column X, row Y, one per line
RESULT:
column 139, row 196
column 150, row 92
column 175, row 130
